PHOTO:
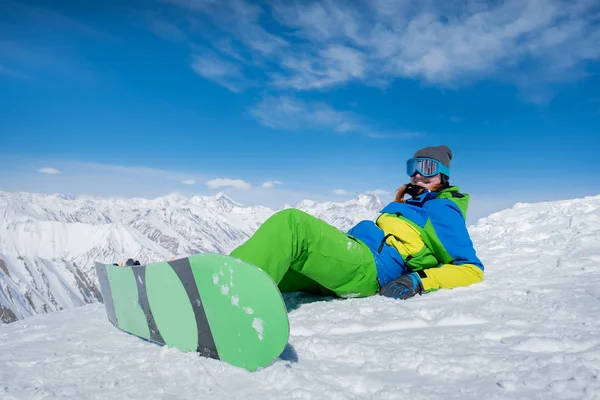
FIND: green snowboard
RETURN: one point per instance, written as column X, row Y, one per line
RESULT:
column 216, row 305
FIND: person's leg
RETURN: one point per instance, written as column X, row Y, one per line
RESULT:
column 294, row 281
column 309, row 246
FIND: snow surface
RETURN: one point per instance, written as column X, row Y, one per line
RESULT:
column 529, row 331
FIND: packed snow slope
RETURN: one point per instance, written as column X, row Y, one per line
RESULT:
column 529, row 331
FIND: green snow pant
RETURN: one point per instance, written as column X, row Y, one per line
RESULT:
column 305, row 254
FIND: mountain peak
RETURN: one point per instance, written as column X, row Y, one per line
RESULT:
column 223, row 199
column 369, row 200
column 222, row 195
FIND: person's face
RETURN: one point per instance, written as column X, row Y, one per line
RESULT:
column 429, row 183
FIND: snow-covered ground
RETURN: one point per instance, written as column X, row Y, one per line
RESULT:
column 529, row 331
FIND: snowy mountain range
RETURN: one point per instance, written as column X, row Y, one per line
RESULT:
column 530, row 330
column 48, row 243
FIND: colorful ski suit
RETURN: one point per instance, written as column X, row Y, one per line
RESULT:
column 426, row 234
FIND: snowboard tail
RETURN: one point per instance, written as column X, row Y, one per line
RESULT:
column 216, row 305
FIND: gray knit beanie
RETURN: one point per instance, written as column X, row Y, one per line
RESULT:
column 441, row 153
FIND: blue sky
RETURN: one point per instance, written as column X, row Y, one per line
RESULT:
column 274, row 102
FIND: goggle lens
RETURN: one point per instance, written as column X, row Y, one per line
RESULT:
column 425, row 166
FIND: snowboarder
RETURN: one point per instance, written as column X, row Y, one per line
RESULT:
column 415, row 245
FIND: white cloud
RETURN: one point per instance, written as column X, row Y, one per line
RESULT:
column 288, row 113
column 271, row 184
column 442, row 43
column 239, row 19
column 50, row 171
column 219, row 70
column 225, row 182
column 332, row 65
column 189, row 182
column 161, row 26
column 341, row 192
column 446, row 42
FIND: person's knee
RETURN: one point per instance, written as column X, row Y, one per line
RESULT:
column 294, row 220
column 290, row 213
column 281, row 218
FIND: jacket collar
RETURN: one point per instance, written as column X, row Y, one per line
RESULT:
column 422, row 198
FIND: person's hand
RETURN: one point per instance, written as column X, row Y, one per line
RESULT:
column 404, row 287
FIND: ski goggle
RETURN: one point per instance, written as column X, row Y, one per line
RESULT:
column 427, row 167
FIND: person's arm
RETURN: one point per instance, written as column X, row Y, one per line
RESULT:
column 463, row 267
column 449, row 276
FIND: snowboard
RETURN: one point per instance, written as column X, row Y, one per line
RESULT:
column 213, row 304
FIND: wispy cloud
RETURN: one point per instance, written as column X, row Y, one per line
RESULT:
column 219, row 70
column 160, row 26
column 239, row 19
column 448, row 44
column 289, row 113
column 341, row 192
column 271, row 184
column 49, row 171
column 189, row 182
column 332, row 65
column 228, row 183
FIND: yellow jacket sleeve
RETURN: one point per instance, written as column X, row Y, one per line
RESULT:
column 449, row 276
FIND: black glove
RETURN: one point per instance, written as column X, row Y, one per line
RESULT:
column 413, row 190
column 404, row 287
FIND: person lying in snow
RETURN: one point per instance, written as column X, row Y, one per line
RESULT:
column 417, row 245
